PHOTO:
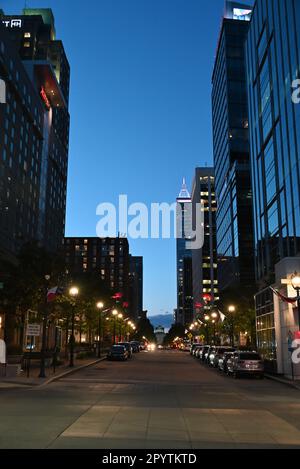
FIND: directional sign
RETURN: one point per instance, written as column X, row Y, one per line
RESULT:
column 2, row 352
column 34, row 330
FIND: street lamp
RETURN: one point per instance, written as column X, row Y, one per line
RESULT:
column 73, row 293
column 296, row 286
column 120, row 317
column 115, row 314
column 45, row 322
column 231, row 311
column 100, row 307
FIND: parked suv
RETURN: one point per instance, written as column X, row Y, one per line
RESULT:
column 247, row 364
column 117, row 352
column 128, row 347
column 219, row 353
column 223, row 361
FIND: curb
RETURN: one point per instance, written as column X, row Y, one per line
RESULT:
column 53, row 378
column 291, row 384
column 69, row 372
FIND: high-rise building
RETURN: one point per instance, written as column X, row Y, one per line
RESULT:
column 136, row 286
column 205, row 275
column 107, row 257
column 184, row 312
column 34, row 138
column 231, row 152
column 273, row 63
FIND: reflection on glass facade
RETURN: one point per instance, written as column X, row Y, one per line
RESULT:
column 273, row 58
column 265, row 326
column 184, row 312
column 231, row 153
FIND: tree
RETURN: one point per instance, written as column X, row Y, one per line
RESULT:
column 243, row 319
column 145, row 329
column 177, row 330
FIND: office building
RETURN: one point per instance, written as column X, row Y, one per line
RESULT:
column 136, row 287
column 204, row 259
column 34, row 138
column 273, row 63
column 231, row 152
column 184, row 312
column 107, row 257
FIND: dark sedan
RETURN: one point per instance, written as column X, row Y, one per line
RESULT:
column 117, row 352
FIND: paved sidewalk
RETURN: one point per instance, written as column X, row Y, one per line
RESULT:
column 22, row 381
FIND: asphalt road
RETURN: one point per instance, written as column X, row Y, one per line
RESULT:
column 158, row 400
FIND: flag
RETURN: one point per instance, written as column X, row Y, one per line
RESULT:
column 222, row 316
column 284, row 298
column 125, row 305
column 117, row 296
column 53, row 293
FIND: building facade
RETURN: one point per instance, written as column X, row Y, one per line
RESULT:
column 107, row 257
column 34, row 145
column 273, row 63
column 204, row 260
column 136, row 286
column 231, row 152
column 184, row 311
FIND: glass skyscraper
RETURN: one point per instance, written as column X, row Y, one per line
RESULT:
column 273, row 58
column 231, row 152
column 205, row 276
column 184, row 312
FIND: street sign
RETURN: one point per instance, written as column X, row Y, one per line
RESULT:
column 33, row 330
column 2, row 352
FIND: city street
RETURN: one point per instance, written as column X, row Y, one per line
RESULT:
column 162, row 400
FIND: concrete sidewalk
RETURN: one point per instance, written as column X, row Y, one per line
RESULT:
column 22, row 381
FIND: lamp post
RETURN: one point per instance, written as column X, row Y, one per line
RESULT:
column 120, row 317
column 214, row 318
column 100, row 307
column 73, row 293
column 45, row 322
column 115, row 314
column 296, row 285
column 231, row 311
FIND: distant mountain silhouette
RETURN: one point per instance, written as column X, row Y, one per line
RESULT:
column 164, row 320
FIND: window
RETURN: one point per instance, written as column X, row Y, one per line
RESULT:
column 27, row 44
column 27, row 35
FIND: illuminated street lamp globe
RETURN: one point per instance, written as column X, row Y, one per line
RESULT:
column 214, row 315
column 74, row 291
column 231, row 309
column 120, row 316
column 207, row 318
column 115, row 312
column 100, row 305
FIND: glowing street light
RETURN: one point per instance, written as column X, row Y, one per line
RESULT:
column 74, row 292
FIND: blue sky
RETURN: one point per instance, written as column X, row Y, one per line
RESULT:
column 140, row 111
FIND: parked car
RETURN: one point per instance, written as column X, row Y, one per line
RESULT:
column 247, row 364
column 117, row 352
column 193, row 347
column 135, row 346
column 128, row 347
column 198, row 352
column 203, row 354
column 227, row 356
column 219, row 355
column 210, row 355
